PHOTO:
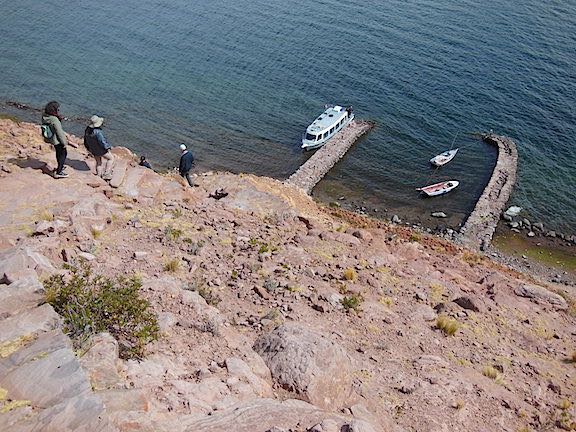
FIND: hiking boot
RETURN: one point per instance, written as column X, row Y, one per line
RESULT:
column 61, row 174
column 107, row 177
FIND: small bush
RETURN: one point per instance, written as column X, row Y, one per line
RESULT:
column 172, row 233
column 263, row 249
column 209, row 295
column 490, row 372
column 91, row 304
column 46, row 216
column 172, row 266
column 415, row 237
column 352, row 302
column 350, row 274
column 448, row 325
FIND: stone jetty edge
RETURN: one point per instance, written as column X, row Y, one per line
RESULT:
column 480, row 225
column 315, row 168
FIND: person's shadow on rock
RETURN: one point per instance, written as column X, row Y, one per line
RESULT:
column 37, row 164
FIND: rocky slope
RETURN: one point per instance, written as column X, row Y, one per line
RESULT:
column 276, row 314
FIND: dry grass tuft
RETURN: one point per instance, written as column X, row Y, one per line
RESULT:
column 172, row 266
column 350, row 274
column 96, row 233
column 448, row 325
column 472, row 258
column 490, row 372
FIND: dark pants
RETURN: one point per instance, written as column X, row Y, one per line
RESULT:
column 61, row 154
column 186, row 175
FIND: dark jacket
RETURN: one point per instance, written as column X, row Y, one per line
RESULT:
column 95, row 142
column 186, row 162
column 58, row 137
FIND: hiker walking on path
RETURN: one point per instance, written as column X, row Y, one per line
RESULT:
column 96, row 143
column 186, row 163
column 55, row 135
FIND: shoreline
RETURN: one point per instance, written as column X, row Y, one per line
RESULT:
column 441, row 230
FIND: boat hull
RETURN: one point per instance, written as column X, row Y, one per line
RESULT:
column 443, row 158
column 313, row 145
column 439, row 188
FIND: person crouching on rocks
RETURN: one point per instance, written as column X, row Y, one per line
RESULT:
column 96, row 143
column 53, row 119
column 186, row 163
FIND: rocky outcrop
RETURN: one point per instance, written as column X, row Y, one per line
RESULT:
column 308, row 364
column 42, row 386
column 540, row 294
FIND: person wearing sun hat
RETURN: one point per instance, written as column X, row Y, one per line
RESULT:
column 186, row 163
column 96, row 143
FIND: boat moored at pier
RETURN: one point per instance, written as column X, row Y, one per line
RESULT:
column 328, row 124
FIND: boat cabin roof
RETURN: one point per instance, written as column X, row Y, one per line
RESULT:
column 327, row 119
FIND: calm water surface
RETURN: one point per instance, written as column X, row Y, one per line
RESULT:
column 240, row 80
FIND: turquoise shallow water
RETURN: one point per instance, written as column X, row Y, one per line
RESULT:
column 239, row 82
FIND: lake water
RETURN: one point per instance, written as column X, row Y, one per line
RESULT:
column 239, row 81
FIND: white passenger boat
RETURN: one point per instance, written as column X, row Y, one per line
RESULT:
column 326, row 126
column 443, row 158
column 439, row 188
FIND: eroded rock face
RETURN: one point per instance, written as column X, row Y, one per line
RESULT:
column 308, row 364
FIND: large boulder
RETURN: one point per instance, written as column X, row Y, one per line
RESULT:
column 308, row 364
column 541, row 294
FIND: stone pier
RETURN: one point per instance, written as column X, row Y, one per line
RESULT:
column 479, row 228
column 311, row 172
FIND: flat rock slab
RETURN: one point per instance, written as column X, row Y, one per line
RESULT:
column 119, row 172
column 23, row 294
column 28, row 322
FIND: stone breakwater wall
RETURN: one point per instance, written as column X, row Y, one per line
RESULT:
column 479, row 228
column 311, row 172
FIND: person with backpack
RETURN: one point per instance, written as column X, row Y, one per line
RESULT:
column 186, row 163
column 96, row 143
column 54, row 134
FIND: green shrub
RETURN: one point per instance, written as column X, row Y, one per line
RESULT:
column 91, row 304
column 350, row 274
column 352, row 302
column 172, row 233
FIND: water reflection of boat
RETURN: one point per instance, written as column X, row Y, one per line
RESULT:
column 326, row 126
column 439, row 188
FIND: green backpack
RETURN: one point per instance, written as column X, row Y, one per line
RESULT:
column 47, row 132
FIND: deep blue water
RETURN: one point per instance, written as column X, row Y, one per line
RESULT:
column 240, row 80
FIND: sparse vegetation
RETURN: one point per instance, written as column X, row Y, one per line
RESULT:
column 172, row 233
column 91, row 304
column 172, row 266
column 448, row 325
column 209, row 295
column 352, row 302
column 566, row 421
column 350, row 274
column 46, row 215
column 96, row 233
column 415, row 237
column 270, row 285
column 472, row 258
column 177, row 212
column 436, row 292
column 493, row 373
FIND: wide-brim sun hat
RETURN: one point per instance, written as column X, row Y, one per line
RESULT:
column 96, row 121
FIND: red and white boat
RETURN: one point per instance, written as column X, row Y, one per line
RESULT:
column 439, row 188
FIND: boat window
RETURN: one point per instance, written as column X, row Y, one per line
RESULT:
column 330, row 115
column 310, row 137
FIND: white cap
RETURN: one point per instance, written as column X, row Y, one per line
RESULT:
column 182, row 147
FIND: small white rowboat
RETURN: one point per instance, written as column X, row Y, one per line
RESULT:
column 439, row 188
column 443, row 158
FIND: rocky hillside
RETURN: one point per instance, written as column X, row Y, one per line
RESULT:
column 275, row 314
